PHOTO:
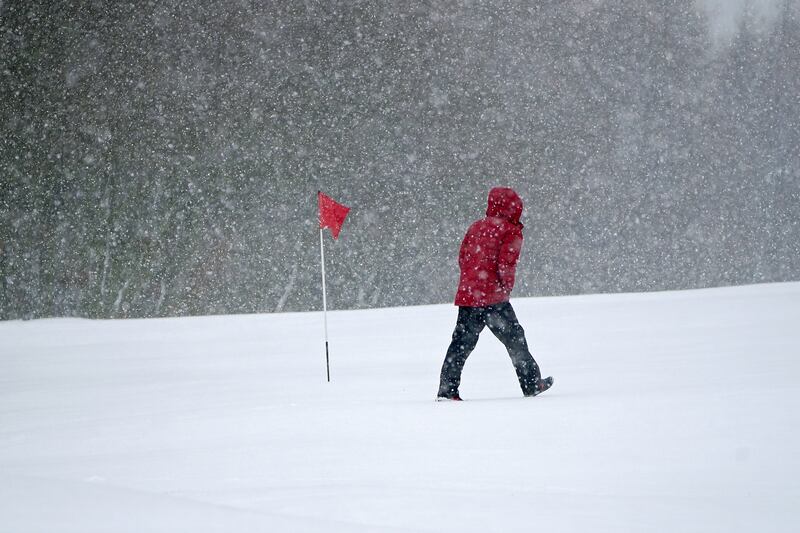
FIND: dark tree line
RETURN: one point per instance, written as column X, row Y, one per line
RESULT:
column 163, row 158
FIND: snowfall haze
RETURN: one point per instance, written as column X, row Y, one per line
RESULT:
column 163, row 158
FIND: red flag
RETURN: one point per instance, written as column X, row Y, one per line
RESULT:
column 331, row 214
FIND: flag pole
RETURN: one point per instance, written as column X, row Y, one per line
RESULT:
column 324, row 305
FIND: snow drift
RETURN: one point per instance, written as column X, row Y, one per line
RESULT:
column 674, row 411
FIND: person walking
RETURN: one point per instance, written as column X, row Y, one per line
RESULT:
column 488, row 261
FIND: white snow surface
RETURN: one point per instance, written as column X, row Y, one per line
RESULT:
column 671, row 412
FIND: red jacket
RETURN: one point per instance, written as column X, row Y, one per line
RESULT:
column 489, row 252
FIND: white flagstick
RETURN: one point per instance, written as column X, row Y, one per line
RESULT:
column 324, row 305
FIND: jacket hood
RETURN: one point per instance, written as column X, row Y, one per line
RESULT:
column 504, row 203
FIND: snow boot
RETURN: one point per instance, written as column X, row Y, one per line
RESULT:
column 541, row 386
column 449, row 398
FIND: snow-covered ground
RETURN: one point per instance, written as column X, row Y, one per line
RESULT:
column 671, row 412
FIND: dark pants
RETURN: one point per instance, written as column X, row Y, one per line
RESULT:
column 502, row 321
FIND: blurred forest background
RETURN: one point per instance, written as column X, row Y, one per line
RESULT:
column 162, row 158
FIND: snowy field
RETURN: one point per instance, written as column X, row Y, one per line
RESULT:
column 671, row 412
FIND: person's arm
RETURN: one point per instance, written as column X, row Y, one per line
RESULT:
column 507, row 259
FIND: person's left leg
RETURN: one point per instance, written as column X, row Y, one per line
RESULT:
column 465, row 337
column 502, row 321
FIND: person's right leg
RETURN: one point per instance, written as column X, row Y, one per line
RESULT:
column 469, row 325
column 503, row 322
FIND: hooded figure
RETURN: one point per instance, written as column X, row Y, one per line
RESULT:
column 488, row 262
column 489, row 252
